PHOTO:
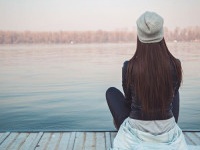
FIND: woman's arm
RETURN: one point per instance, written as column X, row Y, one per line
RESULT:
column 127, row 92
column 175, row 106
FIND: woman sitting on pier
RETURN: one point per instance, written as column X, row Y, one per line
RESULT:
column 147, row 113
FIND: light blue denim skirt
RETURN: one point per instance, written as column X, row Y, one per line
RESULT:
column 129, row 138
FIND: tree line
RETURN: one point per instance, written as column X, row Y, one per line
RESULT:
column 100, row 36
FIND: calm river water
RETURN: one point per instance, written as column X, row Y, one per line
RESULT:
column 62, row 87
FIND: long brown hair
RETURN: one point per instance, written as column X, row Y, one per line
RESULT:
column 149, row 72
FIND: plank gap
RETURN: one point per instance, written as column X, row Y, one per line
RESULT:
column 59, row 139
column 189, row 140
column 3, row 137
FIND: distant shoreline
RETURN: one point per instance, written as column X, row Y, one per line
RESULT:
column 106, row 43
column 190, row 34
column 81, row 44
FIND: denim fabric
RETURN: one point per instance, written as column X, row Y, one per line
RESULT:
column 129, row 138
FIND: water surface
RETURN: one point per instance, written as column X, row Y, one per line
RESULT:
column 62, row 87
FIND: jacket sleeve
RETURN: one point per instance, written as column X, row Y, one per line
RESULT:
column 127, row 92
column 176, row 84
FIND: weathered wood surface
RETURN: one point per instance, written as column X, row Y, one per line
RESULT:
column 69, row 140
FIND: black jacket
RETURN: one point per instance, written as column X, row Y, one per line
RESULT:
column 134, row 103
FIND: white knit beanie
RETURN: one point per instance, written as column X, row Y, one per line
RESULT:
column 150, row 27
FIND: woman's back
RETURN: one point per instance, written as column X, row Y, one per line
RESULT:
column 150, row 81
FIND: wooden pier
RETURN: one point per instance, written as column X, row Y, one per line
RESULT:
column 70, row 140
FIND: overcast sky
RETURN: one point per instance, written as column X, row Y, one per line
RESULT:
column 56, row 15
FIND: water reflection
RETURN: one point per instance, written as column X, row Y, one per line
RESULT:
column 62, row 87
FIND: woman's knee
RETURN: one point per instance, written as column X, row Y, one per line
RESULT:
column 110, row 91
column 113, row 93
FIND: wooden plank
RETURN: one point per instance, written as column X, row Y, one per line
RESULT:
column 90, row 141
column 198, row 134
column 100, row 141
column 3, row 136
column 28, row 141
column 44, row 141
column 194, row 138
column 64, row 140
column 53, row 141
column 71, row 141
column 79, row 141
column 35, row 142
column 112, row 136
column 108, row 142
column 188, row 140
column 8, row 141
column 17, row 143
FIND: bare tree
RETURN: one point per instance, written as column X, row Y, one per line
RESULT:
column 100, row 36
